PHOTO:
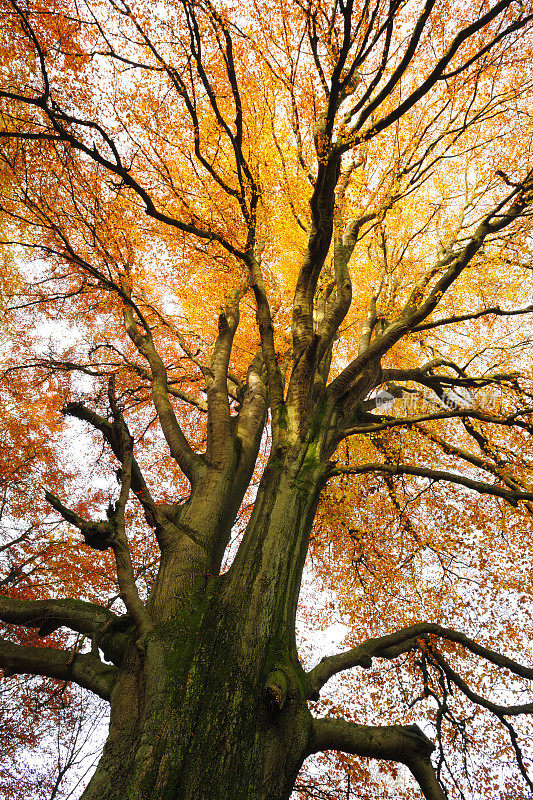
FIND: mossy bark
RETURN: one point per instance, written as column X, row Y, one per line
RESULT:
column 212, row 703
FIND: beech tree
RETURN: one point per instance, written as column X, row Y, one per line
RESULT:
column 271, row 264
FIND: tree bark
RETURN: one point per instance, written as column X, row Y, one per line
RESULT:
column 213, row 702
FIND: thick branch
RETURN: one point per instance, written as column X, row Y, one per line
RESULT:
column 97, row 535
column 495, row 311
column 422, row 771
column 337, row 309
column 268, row 348
column 219, row 424
column 251, row 418
column 404, row 743
column 49, row 615
column 394, row 644
column 322, row 207
column 119, row 543
column 426, row 376
column 395, row 422
column 83, row 668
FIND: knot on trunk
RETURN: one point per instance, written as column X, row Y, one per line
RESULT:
column 98, row 535
column 276, row 688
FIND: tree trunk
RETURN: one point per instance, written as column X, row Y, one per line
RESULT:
column 212, row 704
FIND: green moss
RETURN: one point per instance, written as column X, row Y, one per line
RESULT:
column 279, row 658
column 182, row 635
column 283, row 417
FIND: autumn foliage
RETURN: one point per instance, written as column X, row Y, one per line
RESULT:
column 242, row 242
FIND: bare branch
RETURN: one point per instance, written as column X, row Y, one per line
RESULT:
column 437, row 475
column 394, row 644
column 179, row 447
column 495, row 310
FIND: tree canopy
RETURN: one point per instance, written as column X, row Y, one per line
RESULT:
column 266, row 298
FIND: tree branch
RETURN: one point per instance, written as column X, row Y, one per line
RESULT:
column 60, row 119
column 268, row 347
column 438, row 73
column 84, row 669
column 474, row 697
column 119, row 542
column 395, row 422
column 497, row 469
column 106, row 428
column 394, row 644
column 404, row 743
column 251, row 417
column 97, row 535
column 219, row 425
column 180, row 449
column 495, row 310
column 49, row 615
column 512, row 496
column 419, row 307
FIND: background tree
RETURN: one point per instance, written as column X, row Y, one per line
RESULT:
column 272, row 262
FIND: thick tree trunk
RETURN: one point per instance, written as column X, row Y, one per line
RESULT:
column 203, row 724
column 212, row 704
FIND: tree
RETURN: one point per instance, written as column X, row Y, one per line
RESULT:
column 284, row 250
